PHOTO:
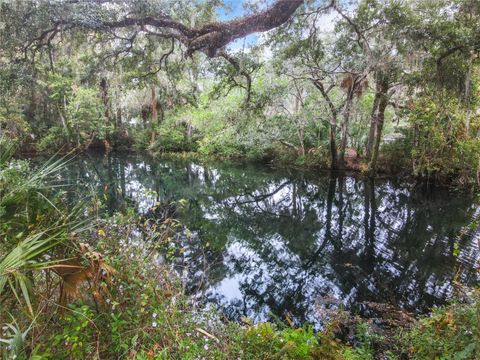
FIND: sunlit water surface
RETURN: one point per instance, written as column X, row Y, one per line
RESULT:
column 276, row 243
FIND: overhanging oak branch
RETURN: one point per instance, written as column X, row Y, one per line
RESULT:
column 208, row 38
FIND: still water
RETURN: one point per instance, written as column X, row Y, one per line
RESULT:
column 277, row 242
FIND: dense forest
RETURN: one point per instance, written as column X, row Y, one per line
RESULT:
column 377, row 89
column 387, row 85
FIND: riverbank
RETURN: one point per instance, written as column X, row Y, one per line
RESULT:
column 388, row 167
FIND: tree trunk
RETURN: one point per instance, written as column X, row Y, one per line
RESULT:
column 161, row 112
column 333, row 146
column 118, row 120
column 345, row 125
column 105, row 99
column 373, row 125
column 154, row 118
column 468, row 85
column 380, row 118
column 65, row 125
column 301, row 138
column 145, row 111
column 107, row 113
column 333, row 125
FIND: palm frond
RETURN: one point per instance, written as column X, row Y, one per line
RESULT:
column 16, row 338
column 27, row 256
column 37, row 181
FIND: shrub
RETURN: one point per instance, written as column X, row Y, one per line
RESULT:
column 173, row 138
column 450, row 332
column 440, row 144
column 85, row 116
column 55, row 138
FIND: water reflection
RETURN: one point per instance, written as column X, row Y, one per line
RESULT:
column 276, row 242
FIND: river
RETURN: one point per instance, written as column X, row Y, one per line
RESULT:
column 288, row 243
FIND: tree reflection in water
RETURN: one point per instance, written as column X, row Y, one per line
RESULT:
column 279, row 242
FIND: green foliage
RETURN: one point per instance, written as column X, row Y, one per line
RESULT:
column 60, row 84
column 7, row 150
column 23, row 258
column 441, row 146
column 221, row 144
column 145, row 314
column 13, row 125
column 396, row 155
column 76, row 338
column 174, row 137
column 142, row 138
column 448, row 333
column 23, row 191
column 15, row 341
column 367, row 341
column 449, row 43
column 54, row 139
column 85, row 114
column 265, row 339
column 65, row 92
column 31, row 225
